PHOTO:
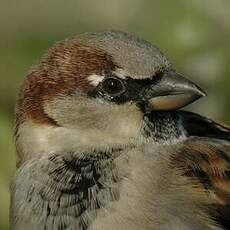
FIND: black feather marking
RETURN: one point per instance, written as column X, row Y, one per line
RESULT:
column 83, row 179
column 199, row 126
column 221, row 215
column 201, row 175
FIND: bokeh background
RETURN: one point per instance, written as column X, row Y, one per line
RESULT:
column 195, row 35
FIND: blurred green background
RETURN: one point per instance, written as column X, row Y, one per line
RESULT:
column 195, row 35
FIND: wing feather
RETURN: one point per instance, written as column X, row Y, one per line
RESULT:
column 205, row 158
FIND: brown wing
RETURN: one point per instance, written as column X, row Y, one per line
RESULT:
column 205, row 157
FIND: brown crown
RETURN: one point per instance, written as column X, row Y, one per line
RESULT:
column 63, row 70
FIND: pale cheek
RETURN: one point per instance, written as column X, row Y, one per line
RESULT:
column 128, row 124
column 96, row 116
column 124, row 121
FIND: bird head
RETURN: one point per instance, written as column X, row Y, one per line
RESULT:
column 92, row 92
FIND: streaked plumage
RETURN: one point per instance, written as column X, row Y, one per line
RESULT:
column 101, row 143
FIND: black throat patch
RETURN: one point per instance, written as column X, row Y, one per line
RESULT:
column 65, row 192
column 162, row 126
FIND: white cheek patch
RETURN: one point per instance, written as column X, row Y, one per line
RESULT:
column 95, row 79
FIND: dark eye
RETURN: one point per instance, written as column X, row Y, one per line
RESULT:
column 113, row 86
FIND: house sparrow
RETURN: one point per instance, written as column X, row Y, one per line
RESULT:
column 101, row 144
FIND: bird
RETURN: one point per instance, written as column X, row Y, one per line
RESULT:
column 102, row 142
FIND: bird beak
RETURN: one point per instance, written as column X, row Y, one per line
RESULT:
column 173, row 92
